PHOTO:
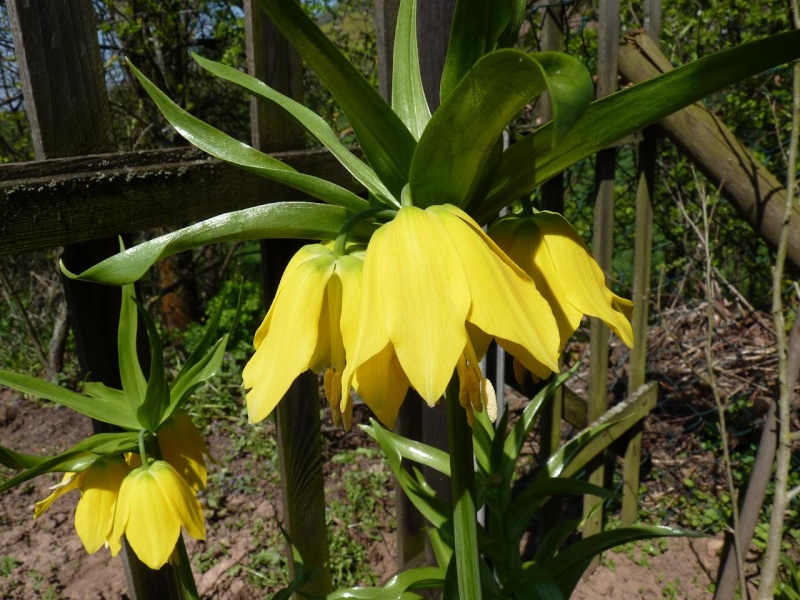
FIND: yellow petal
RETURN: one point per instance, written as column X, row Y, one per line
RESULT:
column 582, row 278
column 350, row 271
column 426, row 298
column 505, row 301
column 525, row 245
column 288, row 347
column 182, row 498
column 382, row 385
column 70, row 481
column 183, row 447
column 94, row 516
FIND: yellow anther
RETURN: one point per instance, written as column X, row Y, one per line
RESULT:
column 489, row 399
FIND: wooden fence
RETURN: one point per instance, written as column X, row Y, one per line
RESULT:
column 79, row 195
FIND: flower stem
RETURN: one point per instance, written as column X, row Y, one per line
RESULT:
column 185, row 575
column 462, row 480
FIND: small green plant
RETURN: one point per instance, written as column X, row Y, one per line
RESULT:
column 7, row 565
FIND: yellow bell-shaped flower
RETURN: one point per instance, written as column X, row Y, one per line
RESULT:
column 434, row 284
column 183, row 447
column 154, row 502
column 306, row 328
column 549, row 249
column 99, row 485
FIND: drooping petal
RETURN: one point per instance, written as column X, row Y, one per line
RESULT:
column 426, row 298
column 94, row 515
column 383, row 385
column 182, row 498
column 183, row 447
column 70, row 481
column 505, row 301
column 290, row 343
column 524, row 244
column 582, row 278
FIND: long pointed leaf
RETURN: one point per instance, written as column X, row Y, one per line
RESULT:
column 222, row 146
column 408, row 95
column 105, row 410
column 425, row 455
column 385, row 140
column 455, row 169
column 533, row 160
column 306, row 117
column 156, row 398
column 476, row 27
column 278, row 220
column 130, row 370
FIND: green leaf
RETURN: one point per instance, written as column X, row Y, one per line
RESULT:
column 568, row 566
column 558, row 464
column 510, row 34
column 222, row 146
column 476, row 27
column 529, row 501
column 408, row 95
column 77, row 458
column 307, row 118
column 278, row 220
column 130, row 370
column 555, row 537
column 512, row 445
column 533, row 160
column 102, row 409
column 95, row 389
column 385, row 140
column 398, row 587
column 156, row 398
column 426, row 455
column 454, row 158
column 435, row 510
column 15, row 460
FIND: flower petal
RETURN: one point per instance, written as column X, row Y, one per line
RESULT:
column 426, row 298
column 294, row 325
column 382, row 384
column 505, row 301
column 582, row 278
column 183, row 447
column 94, row 516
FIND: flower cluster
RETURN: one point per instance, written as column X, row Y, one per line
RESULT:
column 147, row 503
column 424, row 301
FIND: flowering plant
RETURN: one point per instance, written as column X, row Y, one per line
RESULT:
column 405, row 289
column 141, row 482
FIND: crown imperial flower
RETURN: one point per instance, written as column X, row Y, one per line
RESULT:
column 306, row 328
column 549, row 249
column 436, row 287
column 153, row 503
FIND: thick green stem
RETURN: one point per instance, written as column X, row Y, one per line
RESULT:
column 462, row 479
column 185, row 575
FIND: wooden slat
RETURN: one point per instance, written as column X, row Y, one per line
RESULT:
column 53, row 202
column 627, row 414
column 756, row 194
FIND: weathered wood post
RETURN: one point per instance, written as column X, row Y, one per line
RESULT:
column 643, row 250
column 602, row 241
column 297, row 417
column 65, row 96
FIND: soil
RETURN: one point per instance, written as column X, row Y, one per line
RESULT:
column 240, row 559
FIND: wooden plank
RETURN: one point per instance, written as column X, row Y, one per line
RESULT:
column 47, row 203
column 602, row 241
column 625, row 415
column 297, row 416
column 65, row 96
column 434, row 18
column 756, row 194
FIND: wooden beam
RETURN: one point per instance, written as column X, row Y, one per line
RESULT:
column 63, row 201
column 756, row 194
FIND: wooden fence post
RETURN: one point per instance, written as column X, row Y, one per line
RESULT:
column 602, row 241
column 65, row 96
column 297, row 417
column 643, row 249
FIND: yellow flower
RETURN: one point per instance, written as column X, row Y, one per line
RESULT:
column 435, row 287
column 306, row 328
column 99, row 485
column 549, row 249
column 183, row 447
column 153, row 503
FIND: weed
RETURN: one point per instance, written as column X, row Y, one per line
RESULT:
column 7, row 565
